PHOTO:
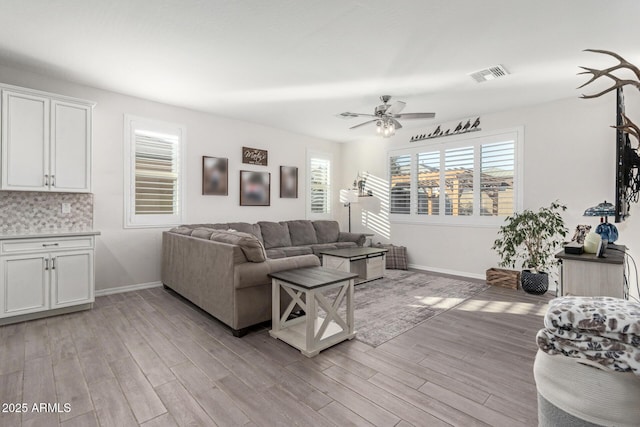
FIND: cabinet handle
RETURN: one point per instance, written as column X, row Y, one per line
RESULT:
column 46, row 180
column 46, row 264
column 49, row 244
column 53, row 263
column 53, row 180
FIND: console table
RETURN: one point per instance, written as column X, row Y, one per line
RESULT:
column 311, row 333
column 588, row 275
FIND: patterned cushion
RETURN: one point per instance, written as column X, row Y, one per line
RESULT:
column 396, row 256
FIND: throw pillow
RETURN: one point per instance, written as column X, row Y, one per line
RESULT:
column 396, row 257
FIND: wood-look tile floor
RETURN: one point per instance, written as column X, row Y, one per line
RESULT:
column 149, row 358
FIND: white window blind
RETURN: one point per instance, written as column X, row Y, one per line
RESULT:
column 429, row 183
column 458, row 165
column 400, row 183
column 496, row 179
column 156, row 171
column 320, row 185
column 153, row 173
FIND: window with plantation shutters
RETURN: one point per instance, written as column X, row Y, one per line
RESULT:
column 319, row 174
column 153, row 173
column 428, row 183
column 400, row 183
column 496, row 179
column 472, row 180
column 458, row 181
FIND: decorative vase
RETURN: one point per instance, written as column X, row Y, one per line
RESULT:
column 534, row 283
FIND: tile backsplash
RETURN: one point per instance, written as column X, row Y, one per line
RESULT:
column 28, row 212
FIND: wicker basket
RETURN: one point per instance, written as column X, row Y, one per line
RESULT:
column 503, row 278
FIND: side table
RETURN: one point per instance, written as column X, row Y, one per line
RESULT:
column 311, row 333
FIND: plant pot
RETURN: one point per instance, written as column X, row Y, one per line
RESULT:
column 534, row 283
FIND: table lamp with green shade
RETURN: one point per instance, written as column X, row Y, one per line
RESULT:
column 605, row 229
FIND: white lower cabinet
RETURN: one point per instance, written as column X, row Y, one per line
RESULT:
column 44, row 276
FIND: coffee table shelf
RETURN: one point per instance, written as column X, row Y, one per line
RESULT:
column 311, row 332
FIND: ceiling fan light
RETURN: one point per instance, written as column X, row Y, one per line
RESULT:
column 379, row 126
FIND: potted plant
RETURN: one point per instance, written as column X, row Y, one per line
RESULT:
column 532, row 238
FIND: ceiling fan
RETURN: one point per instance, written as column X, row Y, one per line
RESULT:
column 385, row 116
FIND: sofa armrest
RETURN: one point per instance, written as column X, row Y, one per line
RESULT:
column 255, row 274
column 357, row 238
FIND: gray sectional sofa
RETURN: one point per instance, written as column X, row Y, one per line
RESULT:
column 223, row 268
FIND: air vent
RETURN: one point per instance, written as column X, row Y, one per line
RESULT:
column 490, row 73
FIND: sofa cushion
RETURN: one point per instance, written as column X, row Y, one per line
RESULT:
column 296, row 250
column 250, row 245
column 275, row 235
column 322, row 247
column 183, row 229
column 341, row 245
column 245, row 227
column 301, row 232
column 202, row 233
column 326, row 231
column 275, row 253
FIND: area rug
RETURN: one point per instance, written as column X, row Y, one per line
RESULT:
column 387, row 307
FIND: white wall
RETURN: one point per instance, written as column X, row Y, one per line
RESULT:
column 569, row 154
column 132, row 256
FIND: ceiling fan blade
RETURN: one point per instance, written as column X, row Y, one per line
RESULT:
column 396, row 107
column 414, row 116
column 348, row 114
column 362, row 124
column 396, row 124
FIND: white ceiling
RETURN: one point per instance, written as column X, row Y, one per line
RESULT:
column 295, row 64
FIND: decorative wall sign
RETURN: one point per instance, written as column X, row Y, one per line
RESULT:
column 254, row 156
column 215, row 176
column 255, row 188
column 288, row 182
column 458, row 130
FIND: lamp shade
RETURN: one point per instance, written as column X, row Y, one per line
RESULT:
column 601, row 209
column 349, row 196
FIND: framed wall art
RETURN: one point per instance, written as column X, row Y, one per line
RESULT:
column 288, row 182
column 215, row 176
column 254, row 156
column 255, row 188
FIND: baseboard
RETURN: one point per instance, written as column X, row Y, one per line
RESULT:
column 127, row 288
column 450, row 272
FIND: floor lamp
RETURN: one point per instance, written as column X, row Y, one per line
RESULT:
column 347, row 197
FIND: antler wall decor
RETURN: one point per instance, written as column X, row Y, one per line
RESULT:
column 628, row 160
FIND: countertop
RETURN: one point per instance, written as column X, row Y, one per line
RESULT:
column 614, row 254
column 44, row 234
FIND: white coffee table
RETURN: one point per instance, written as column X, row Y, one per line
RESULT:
column 368, row 263
column 311, row 333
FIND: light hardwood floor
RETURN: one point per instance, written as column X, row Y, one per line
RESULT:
column 149, row 358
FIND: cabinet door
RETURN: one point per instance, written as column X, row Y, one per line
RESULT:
column 70, row 147
column 24, row 284
column 25, row 142
column 71, row 278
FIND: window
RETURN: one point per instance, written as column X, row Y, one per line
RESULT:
column 153, row 173
column 400, row 179
column 319, row 205
column 471, row 180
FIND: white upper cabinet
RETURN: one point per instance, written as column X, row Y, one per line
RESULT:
column 46, row 142
column 70, row 147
